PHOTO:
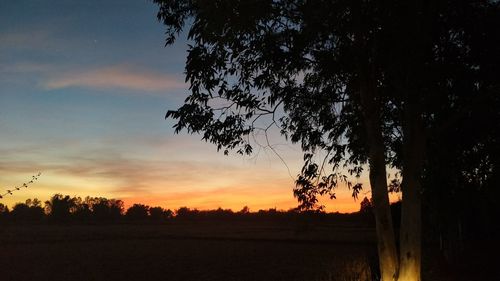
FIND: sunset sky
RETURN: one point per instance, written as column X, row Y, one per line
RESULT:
column 84, row 88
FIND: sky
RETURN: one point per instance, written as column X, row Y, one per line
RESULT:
column 84, row 88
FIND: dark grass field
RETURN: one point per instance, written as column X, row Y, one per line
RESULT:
column 187, row 251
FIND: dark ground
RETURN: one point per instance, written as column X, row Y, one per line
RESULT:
column 185, row 251
column 213, row 250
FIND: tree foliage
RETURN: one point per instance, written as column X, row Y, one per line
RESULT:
column 300, row 65
column 287, row 61
column 363, row 82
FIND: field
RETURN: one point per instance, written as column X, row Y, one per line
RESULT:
column 196, row 250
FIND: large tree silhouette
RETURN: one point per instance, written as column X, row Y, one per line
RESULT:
column 60, row 207
column 138, row 212
column 370, row 83
column 31, row 210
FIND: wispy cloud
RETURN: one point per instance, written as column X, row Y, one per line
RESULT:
column 133, row 175
column 122, row 77
column 25, row 68
column 39, row 38
column 170, row 183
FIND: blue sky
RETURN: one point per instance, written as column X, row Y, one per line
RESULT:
column 84, row 87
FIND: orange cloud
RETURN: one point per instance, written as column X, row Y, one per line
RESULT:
column 123, row 77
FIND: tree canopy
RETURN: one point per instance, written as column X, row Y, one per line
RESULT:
column 368, row 83
column 301, row 64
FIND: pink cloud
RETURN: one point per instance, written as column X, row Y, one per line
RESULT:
column 122, row 77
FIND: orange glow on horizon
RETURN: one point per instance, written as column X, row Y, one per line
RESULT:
column 236, row 201
column 210, row 200
column 225, row 189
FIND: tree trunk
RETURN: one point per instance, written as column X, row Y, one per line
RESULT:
column 387, row 252
column 410, row 233
column 411, row 221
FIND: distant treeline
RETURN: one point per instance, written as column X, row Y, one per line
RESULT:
column 66, row 209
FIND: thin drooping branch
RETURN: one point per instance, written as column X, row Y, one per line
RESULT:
column 19, row 187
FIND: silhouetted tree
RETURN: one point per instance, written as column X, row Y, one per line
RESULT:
column 60, row 207
column 115, row 209
column 36, row 210
column 244, row 211
column 218, row 213
column 367, row 82
column 366, row 206
column 137, row 212
column 20, row 212
column 159, row 214
column 186, row 213
column 83, row 210
column 4, row 212
column 104, row 209
column 100, row 208
column 168, row 213
column 31, row 210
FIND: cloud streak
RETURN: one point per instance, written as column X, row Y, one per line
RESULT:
column 116, row 77
column 170, row 183
column 132, row 175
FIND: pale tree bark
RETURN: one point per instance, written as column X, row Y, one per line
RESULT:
column 410, row 233
column 386, row 243
column 387, row 253
column 411, row 221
